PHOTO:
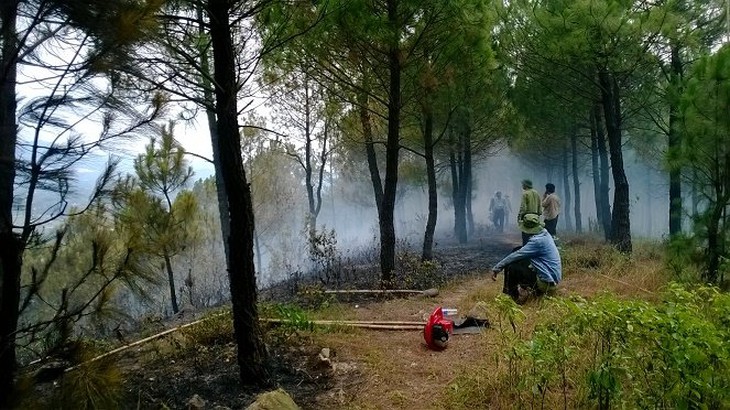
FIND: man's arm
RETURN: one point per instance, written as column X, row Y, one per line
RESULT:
column 530, row 249
column 523, row 207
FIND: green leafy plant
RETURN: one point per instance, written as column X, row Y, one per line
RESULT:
column 293, row 321
column 216, row 329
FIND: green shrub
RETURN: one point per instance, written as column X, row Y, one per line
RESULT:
column 612, row 353
column 216, row 329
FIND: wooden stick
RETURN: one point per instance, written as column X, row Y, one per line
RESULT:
column 372, row 291
column 379, row 325
column 626, row 283
column 351, row 322
column 427, row 292
column 145, row 340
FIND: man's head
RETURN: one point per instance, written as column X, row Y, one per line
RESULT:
column 531, row 224
column 526, row 184
column 550, row 188
column 498, row 194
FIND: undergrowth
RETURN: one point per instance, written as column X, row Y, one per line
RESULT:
column 607, row 353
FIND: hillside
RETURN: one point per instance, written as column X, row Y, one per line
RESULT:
column 381, row 369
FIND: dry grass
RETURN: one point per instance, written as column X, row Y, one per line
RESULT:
column 397, row 371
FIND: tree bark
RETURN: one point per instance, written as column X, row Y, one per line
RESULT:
column 621, row 224
column 675, row 144
column 11, row 248
column 241, row 270
column 387, row 228
column 605, row 209
column 427, row 253
column 576, row 183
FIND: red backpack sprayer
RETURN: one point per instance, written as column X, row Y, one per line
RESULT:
column 439, row 327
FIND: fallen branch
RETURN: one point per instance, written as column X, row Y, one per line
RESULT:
column 626, row 283
column 376, row 325
column 355, row 323
column 143, row 341
column 428, row 292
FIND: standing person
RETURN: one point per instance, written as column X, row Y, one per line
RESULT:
column 536, row 266
column 529, row 205
column 507, row 210
column 551, row 206
column 498, row 207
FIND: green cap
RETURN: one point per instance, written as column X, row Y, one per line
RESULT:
column 531, row 224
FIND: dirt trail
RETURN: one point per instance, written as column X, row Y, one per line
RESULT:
column 391, row 369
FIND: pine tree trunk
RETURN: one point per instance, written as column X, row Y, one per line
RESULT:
column 674, row 145
column 367, row 132
column 468, row 186
column 566, row 188
column 11, row 248
column 621, row 224
column 241, row 270
column 595, row 171
column 212, row 128
column 714, row 248
column 427, row 254
column 576, row 183
column 171, row 282
column 604, row 176
column 392, row 149
column 457, row 192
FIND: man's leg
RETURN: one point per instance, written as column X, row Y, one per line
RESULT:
column 518, row 274
column 545, row 288
column 551, row 226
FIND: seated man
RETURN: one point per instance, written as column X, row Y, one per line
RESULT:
column 535, row 266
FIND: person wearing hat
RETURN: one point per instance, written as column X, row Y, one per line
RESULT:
column 531, row 204
column 542, row 270
column 498, row 208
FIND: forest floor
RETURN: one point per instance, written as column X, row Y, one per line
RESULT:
column 367, row 369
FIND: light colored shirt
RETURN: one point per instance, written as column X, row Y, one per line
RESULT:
column 497, row 204
column 540, row 249
column 551, row 206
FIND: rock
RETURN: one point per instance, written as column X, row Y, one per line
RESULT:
column 196, row 402
column 324, row 358
column 274, row 400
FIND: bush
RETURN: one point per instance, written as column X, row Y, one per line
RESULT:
column 612, row 353
column 216, row 329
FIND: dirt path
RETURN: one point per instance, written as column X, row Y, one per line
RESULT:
column 395, row 369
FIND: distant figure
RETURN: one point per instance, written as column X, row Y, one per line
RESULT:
column 529, row 205
column 507, row 211
column 536, row 266
column 551, row 206
column 498, row 208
